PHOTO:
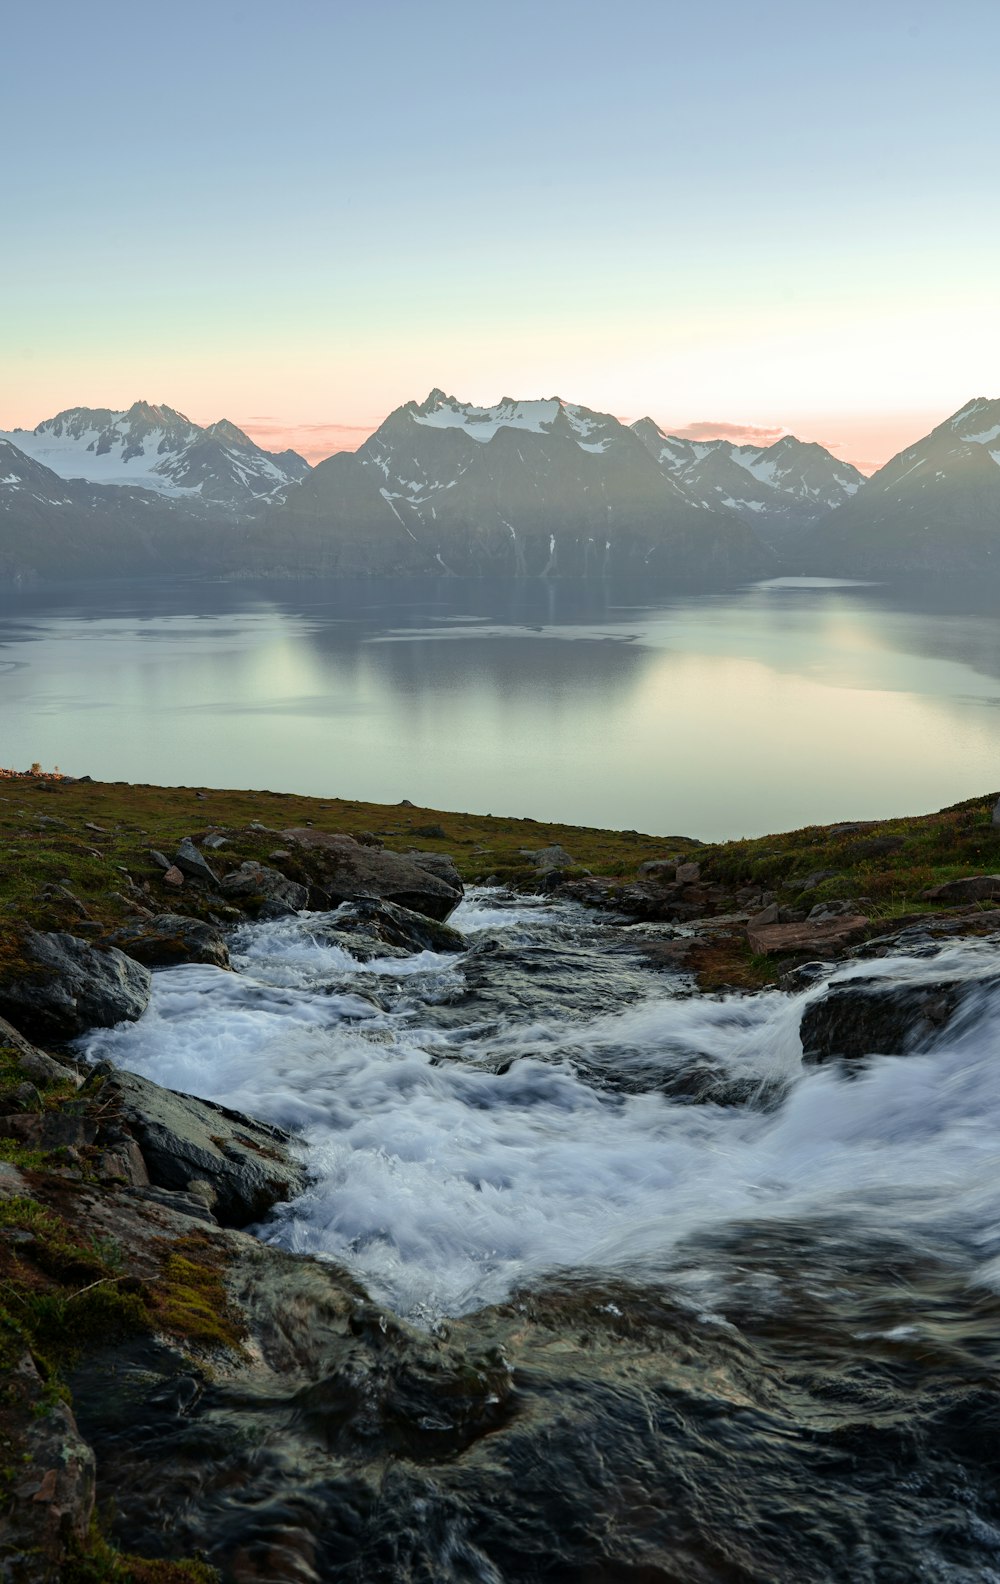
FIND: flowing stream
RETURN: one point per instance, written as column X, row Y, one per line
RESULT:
column 548, row 1114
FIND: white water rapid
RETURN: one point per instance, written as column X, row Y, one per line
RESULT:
column 464, row 1144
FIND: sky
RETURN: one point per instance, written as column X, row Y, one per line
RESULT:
column 745, row 219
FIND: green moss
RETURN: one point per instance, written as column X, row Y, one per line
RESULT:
column 97, row 1561
column 189, row 1299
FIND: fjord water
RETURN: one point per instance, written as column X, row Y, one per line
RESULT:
column 712, row 715
column 743, row 1315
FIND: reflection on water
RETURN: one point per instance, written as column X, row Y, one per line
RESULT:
column 713, row 715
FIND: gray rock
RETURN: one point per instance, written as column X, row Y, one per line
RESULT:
column 248, row 1165
column 659, row 869
column 214, row 842
column 437, row 864
column 811, row 881
column 160, row 859
column 66, row 987
column 347, row 871
column 547, row 858
column 51, row 1483
column 974, row 888
column 35, row 1064
column 171, row 938
column 190, row 862
column 253, row 885
column 767, row 915
column 688, row 873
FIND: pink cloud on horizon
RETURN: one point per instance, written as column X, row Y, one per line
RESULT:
column 314, row 441
column 740, row 433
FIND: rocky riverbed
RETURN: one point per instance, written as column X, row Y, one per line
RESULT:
column 501, row 1253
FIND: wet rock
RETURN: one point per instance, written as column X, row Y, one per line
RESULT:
column 248, row 1165
column 864, row 1017
column 347, row 871
column 829, row 934
column 805, row 974
column 974, row 888
column 190, row 862
column 397, row 926
column 254, row 885
column 170, row 938
column 64, row 987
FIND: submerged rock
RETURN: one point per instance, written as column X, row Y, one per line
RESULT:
column 188, row 1144
column 886, row 1017
column 347, row 871
column 62, row 987
column 397, row 926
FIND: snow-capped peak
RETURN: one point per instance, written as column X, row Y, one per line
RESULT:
column 592, row 431
column 157, row 448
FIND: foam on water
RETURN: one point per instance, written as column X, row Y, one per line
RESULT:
column 444, row 1177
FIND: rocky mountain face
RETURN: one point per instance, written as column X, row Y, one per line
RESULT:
column 934, row 507
column 779, row 489
column 522, row 488
column 217, row 468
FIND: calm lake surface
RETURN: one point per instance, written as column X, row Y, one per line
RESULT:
column 713, row 715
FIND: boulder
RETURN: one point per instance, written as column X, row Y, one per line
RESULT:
column 347, row 871
column 974, row 888
column 397, row 926
column 687, row 873
column 190, row 862
column 170, row 938
column 173, row 877
column 247, row 1165
column 816, row 937
column 62, row 987
column 886, row 1017
column 438, row 864
column 259, row 889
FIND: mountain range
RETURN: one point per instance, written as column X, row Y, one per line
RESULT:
column 523, row 488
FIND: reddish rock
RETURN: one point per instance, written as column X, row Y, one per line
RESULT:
column 173, row 877
column 822, row 935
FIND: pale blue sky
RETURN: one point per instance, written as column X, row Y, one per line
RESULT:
column 775, row 214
